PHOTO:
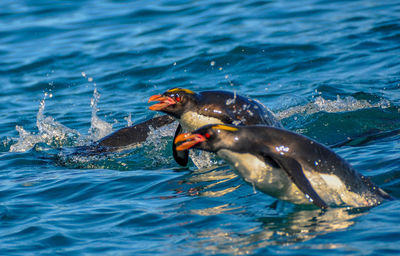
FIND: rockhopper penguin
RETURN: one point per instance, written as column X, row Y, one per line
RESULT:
column 286, row 165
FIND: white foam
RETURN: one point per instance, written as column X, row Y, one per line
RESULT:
column 345, row 104
column 98, row 128
column 50, row 132
column 56, row 134
column 157, row 141
column 202, row 159
column 128, row 120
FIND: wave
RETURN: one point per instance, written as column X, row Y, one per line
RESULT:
column 345, row 120
column 320, row 104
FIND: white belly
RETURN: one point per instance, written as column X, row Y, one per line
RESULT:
column 333, row 191
column 272, row 181
column 191, row 121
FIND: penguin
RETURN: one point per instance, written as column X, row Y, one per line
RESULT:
column 286, row 165
column 194, row 110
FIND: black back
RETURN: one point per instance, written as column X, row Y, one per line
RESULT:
column 291, row 149
column 134, row 134
column 232, row 108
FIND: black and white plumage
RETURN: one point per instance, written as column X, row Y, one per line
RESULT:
column 194, row 110
column 286, row 165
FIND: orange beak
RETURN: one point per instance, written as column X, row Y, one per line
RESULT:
column 189, row 140
column 163, row 102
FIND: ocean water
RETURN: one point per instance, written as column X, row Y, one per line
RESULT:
column 73, row 71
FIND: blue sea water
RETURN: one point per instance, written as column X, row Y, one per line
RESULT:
column 73, row 71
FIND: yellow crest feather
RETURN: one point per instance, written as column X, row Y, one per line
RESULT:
column 181, row 90
column 225, row 127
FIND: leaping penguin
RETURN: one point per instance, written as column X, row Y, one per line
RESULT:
column 286, row 165
column 194, row 110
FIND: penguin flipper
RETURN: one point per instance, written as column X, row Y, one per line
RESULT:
column 137, row 133
column 181, row 157
column 296, row 174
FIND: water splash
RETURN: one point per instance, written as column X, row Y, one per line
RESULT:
column 50, row 132
column 203, row 159
column 128, row 120
column 98, row 128
column 25, row 141
column 56, row 134
column 231, row 101
column 153, row 152
column 157, row 143
column 320, row 104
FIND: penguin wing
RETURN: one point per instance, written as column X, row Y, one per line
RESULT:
column 294, row 170
column 181, row 157
column 133, row 134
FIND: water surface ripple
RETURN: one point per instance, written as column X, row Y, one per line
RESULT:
column 71, row 71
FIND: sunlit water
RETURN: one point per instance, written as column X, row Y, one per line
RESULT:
column 73, row 71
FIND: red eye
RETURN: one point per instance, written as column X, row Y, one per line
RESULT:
column 207, row 135
column 178, row 99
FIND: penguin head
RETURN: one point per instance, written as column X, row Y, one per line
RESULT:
column 209, row 138
column 174, row 101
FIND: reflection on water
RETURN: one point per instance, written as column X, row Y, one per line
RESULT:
column 213, row 181
column 215, row 210
column 297, row 226
column 282, row 223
